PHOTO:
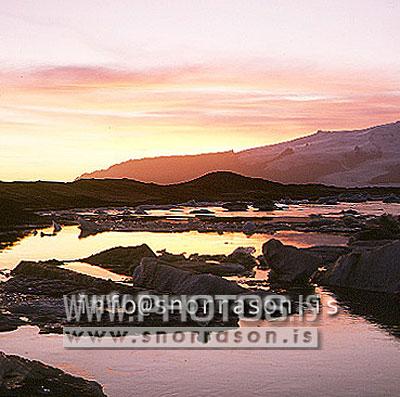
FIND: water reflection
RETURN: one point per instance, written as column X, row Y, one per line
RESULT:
column 377, row 308
column 292, row 210
column 95, row 271
column 66, row 245
column 355, row 359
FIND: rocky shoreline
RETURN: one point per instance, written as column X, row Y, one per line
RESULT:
column 340, row 222
column 33, row 293
column 20, row 377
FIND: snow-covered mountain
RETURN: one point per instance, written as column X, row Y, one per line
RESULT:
column 344, row 158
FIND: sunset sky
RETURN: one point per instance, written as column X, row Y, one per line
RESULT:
column 86, row 84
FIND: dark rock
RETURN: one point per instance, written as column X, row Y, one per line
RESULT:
column 372, row 270
column 289, row 264
column 162, row 278
column 201, row 211
column 10, row 237
column 9, row 323
column 262, row 263
column 350, row 212
column 168, row 279
column 320, row 222
column 244, row 257
column 88, row 228
column 235, row 206
column 121, row 260
column 140, row 211
column 255, row 283
column 21, row 377
column 36, row 292
column 385, row 227
column 331, row 200
column 171, row 258
column 354, row 197
column 249, row 227
column 47, row 278
column 327, row 253
column 392, row 199
column 352, row 221
column 205, row 258
column 368, row 244
column 265, row 205
column 239, row 262
column 216, row 268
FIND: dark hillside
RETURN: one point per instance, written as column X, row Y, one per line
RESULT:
column 20, row 196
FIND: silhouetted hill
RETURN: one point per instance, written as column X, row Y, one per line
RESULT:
column 365, row 157
column 216, row 186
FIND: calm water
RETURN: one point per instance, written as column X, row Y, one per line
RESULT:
column 67, row 246
column 357, row 357
column 293, row 210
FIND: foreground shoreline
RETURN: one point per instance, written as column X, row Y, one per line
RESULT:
column 33, row 295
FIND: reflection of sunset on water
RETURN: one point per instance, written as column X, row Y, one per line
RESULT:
column 67, row 246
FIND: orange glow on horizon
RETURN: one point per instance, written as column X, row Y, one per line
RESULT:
column 63, row 121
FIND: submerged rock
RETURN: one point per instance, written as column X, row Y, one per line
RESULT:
column 235, row 206
column 121, row 260
column 372, row 270
column 168, row 279
column 289, row 264
column 22, row 377
column 201, row 211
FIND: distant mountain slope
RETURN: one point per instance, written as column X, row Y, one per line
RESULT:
column 343, row 158
column 346, row 158
column 169, row 169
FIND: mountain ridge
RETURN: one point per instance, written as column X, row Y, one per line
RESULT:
column 349, row 158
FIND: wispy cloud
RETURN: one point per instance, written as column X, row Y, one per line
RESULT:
column 136, row 112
